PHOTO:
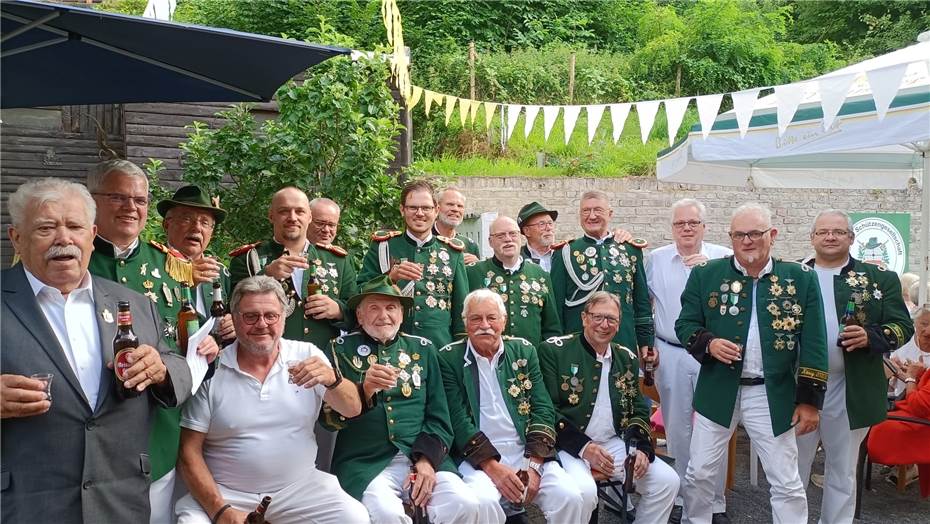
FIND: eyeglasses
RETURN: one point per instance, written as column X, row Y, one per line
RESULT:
column 252, row 318
column 838, row 233
column 324, row 225
column 597, row 319
column 680, row 224
column 505, row 235
column 543, row 224
column 597, row 211
column 420, row 209
column 119, row 199
column 753, row 235
column 188, row 221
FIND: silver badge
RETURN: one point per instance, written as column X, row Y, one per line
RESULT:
column 734, row 310
column 363, row 350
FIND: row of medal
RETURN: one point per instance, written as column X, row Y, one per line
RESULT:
column 573, row 383
column 409, row 380
column 727, row 298
column 326, row 276
column 520, row 386
column 150, row 286
column 617, row 257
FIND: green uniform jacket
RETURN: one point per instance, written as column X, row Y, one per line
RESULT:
column 470, row 245
column 412, row 417
column 572, row 375
column 332, row 270
column 531, row 307
column 791, row 330
column 438, row 296
column 881, row 311
column 145, row 271
column 581, row 267
column 522, row 387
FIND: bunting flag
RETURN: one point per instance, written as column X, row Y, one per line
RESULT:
column 473, row 110
column 833, row 90
column 513, row 114
column 647, row 116
column 708, row 106
column 618, row 114
column 743, row 102
column 489, row 108
column 550, row 114
column 531, row 112
column 787, row 99
column 415, row 94
column 432, row 97
column 450, row 107
column 674, row 113
column 884, row 83
column 400, row 62
column 594, row 118
column 569, row 119
column 464, row 110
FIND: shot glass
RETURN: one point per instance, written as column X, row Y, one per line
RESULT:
column 45, row 378
column 291, row 368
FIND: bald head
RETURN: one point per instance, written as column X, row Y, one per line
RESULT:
column 290, row 215
column 504, row 237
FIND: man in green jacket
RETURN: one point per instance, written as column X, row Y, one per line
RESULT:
column 756, row 325
column 450, row 211
column 602, row 415
column 404, row 427
column 856, row 386
column 427, row 267
column 524, row 287
column 503, row 419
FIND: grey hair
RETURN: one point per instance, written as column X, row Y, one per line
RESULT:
column 913, row 293
column 39, row 192
column 442, row 192
column 690, row 202
column 323, row 201
column 257, row 285
column 99, row 173
column 920, row 311
column 834, row 212
column 594, row 193
column 754, row 207
column 482, row 295
column 599, row 297
column 907, row 280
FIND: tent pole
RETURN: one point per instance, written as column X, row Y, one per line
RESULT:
column 924, row 225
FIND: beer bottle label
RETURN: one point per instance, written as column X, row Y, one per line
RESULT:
column 121, row 363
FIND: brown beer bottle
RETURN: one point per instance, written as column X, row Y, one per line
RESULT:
column 313, row 288
column 418, row 514
column 258, row 516
column 218, row 311
column 123, row 343
column 188, row 320
column 648, row 368
column 849, row 319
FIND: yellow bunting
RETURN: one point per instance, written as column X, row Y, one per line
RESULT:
column 450, row 107
column 400, row 63
column 473, row 110
column 431, row 98
column 415, row 94
column 464, row 107
column 489, row 108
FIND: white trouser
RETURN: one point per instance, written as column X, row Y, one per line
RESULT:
column 315, row 498
column 451, row 500
column 559, row 498
column 676, row 379
column 779, row 456
column 161, row 499
column 841, row 450
column 657, row 488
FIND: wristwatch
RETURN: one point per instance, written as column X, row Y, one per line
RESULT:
column 910, row 380
column 537, row 467
column 336, row 382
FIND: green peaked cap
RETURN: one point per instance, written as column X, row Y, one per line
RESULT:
column 380, row 285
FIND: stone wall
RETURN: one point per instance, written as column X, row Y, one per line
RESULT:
column 641, row 204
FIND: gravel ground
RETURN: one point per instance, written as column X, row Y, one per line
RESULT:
column 748, row 504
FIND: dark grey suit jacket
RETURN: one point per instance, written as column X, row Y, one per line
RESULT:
column 75, row 464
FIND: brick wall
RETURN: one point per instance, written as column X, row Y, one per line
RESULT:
column 641, row 204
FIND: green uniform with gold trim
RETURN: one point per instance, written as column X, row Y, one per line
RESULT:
column 880, row 309
column 572, row 374
column 527, row 292
column 145, row 270
column 412, row 417
column 717, row 302
column 470, row 245
column 522, row 388
column 333, row 271
column 582, row 266
column 438, row 296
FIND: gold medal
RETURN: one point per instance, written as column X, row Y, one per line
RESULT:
column 356, row 361
column 406, row 390
column 736, row 286
column 372, row 360
column 573, row 399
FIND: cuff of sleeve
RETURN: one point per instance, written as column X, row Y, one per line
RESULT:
column 645, row 332
column 697, row 344
column 367, row 403
column 430, row 447
column 479, row 449
column 332, row 420
column 540, row 441
column 883, row 339
column 637, row 435
column 812, row 384
column 570, row 438
column 164, row 393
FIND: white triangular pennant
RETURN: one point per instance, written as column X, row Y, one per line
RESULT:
column 569, row 119
column 743, row 102
column 594, row 118
column 531, row 112
column 489, row 108
column 885, row 83
column 415, row 95
column 647, row 116
column 618, row 114
column 513, row 114
column 708, row 105
column 450, row 106
column 432, row 97
column 787, row 99
column 464, row 108
column 833, row 91
column 674, row 113
column 550, row 114
column 473, row 110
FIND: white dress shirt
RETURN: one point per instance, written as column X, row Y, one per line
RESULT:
column 752, row 356
column 297, row 276
column 122, row 253
column 835, row 363
column 74, row 321
column 666, row 276
column 601, row 428
column 494, row 418
column 417, row 241
column 514, row 267
column 545, row 260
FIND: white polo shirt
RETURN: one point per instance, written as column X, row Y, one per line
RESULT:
column 259, row 436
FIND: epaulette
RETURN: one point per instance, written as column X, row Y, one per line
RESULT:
column 176, row 264
column 638, row 243
column 167, row 250
column 423, row 341
column 382, row 234
column 243, row 249
column 448, row 347
column 336, row 250
column 558, row 245
column 517, row 339
column 454, row 243
column 559, row 341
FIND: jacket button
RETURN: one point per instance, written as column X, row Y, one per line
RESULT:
column 390, row 408
column 122, row 263
column 123, row 280
column 739, row 322
column 91, row 425
column 88, row 484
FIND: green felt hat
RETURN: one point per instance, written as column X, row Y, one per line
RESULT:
column 192, row 196
column 380, row 285
column 532, row 209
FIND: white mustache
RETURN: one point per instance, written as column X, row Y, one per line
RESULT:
column 63, row 251
column 487, row 331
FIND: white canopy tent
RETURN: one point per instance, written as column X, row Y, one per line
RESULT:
column 879, row 138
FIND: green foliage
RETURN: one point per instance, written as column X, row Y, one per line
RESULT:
column 153, row 227
column 334, row 137
column 125, row 7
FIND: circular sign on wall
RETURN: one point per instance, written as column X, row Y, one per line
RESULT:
column 877, row 240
